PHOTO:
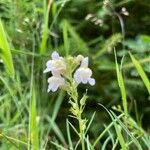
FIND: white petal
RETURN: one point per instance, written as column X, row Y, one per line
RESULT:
column 52, row 87
column 49, row 88
column 92, row 81
column 55, row 82
column 87, row 72
column 46, row 70
column 84, row 80
column 49, row 66
column 52, row 84
column 77, row 78
column 55, row 55
column 85, row 62
column 61, row 81
column 56, row 73
column 49, row 63
column 55, row 87
column 49, row 79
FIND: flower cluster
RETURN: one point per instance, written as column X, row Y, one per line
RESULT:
column 58, row 68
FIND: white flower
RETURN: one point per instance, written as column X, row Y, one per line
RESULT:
column 83, row 73
column 55, row 82
column 56, row 65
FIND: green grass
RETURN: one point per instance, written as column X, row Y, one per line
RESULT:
column 141, row 72
column 5, row 52
column 117, row 109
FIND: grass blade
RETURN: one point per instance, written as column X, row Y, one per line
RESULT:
column 5, row 51
column 115, row 144
column 45, row 29
column 110, row 135
column 121, row 86
column 33, row 121
column 106, row 129
column 117, row 128
column 56, row 130
column 68, row 135
column 57, row 105
column 73, row 128
column 141, row 72
column 56, row 109
column 91, row 120
column 105, row 143
column 13, row 140
column 120, row 136
column 127, row 131
column 65, row 36
column 80, row 43
column 58, row 146
column 88, row 143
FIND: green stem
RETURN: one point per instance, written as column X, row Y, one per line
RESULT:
column 74, row 96
column 81, row 132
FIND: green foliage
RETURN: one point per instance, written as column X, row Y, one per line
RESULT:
column 45, row 28
column 34, row 121
column 110, row 44
column 141, row 72
column 140, row 44
column 32, row 118
column 75, row 42
column 122, row 89
column 5, row 52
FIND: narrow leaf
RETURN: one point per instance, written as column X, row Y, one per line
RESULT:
column 141, row 72
column 120, row 136
column 34, row 123
column 69, row 136
column 65, row 36
column 5, row 52
column 121, row 86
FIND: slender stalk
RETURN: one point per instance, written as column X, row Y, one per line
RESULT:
column 31, row 88
column 81, row 132
column 74, row 96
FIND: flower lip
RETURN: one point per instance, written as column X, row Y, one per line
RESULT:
column 91, row 81
column 55, row 82
column 83, row 73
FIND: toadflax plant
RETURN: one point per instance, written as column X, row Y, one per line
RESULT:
column 67, row 74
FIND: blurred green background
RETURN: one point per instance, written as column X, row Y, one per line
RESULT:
column 89, row 27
